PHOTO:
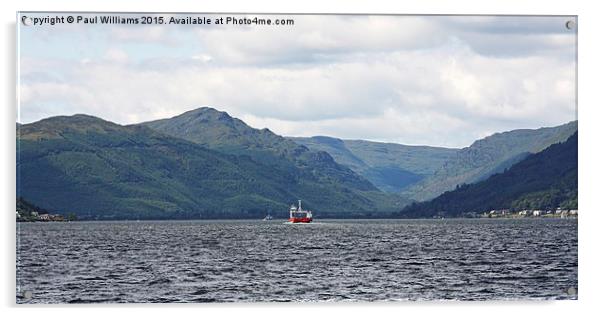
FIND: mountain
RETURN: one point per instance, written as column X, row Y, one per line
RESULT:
column 488, row 156
column 219, row 131
column 205, row 163
column 545, row 180
column 390, row 167
column 99, row 169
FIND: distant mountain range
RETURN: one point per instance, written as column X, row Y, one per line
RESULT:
column 545, row 180
column 421, row 173
column 206, row 164
column 390, row 167
column 488, row 156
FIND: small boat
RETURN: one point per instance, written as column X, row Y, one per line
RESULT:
column 268, row 218
column 299, row 215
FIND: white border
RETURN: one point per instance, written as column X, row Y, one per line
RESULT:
column 589, row 153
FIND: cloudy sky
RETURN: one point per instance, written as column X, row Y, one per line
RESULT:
column 428, row 80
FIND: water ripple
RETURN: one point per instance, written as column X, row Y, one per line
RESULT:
column 251, row 261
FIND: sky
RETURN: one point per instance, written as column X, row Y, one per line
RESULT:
column 418, row 80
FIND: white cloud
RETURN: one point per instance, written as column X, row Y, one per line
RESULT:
column 316, row 37
column 150, row 33
column 404, row 80
column 116, row 55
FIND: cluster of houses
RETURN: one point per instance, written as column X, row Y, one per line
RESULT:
column 45, row 217
column 532, row 213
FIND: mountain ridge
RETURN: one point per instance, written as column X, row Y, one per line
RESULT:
column 389, row 166
column 544, row 180
column 102, row 170
column 205, row 163
column 219, row 131
column 487, row 156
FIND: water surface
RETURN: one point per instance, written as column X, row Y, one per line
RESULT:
column 329, row 260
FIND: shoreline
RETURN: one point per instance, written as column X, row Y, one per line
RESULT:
column 279, row 220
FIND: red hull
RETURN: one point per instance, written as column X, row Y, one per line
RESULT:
column 300, row 220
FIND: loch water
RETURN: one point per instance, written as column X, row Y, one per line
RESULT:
column 270, row 261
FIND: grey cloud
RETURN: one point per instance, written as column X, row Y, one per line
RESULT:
column 350, row 77
column 509, row 24
column 319, row 38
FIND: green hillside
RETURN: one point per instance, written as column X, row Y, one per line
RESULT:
column 99, row 169
column 219, row 131
column 487, row 156
column 207, row 164
column 545, row 180
column 390, row 167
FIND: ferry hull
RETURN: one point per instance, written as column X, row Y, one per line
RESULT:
column 300, row 220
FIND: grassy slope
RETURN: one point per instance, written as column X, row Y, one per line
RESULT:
column 544, row 180
column 488, row 156
column 99, row 169
column 390, row 167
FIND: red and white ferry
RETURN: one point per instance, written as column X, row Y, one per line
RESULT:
column 299, row 215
